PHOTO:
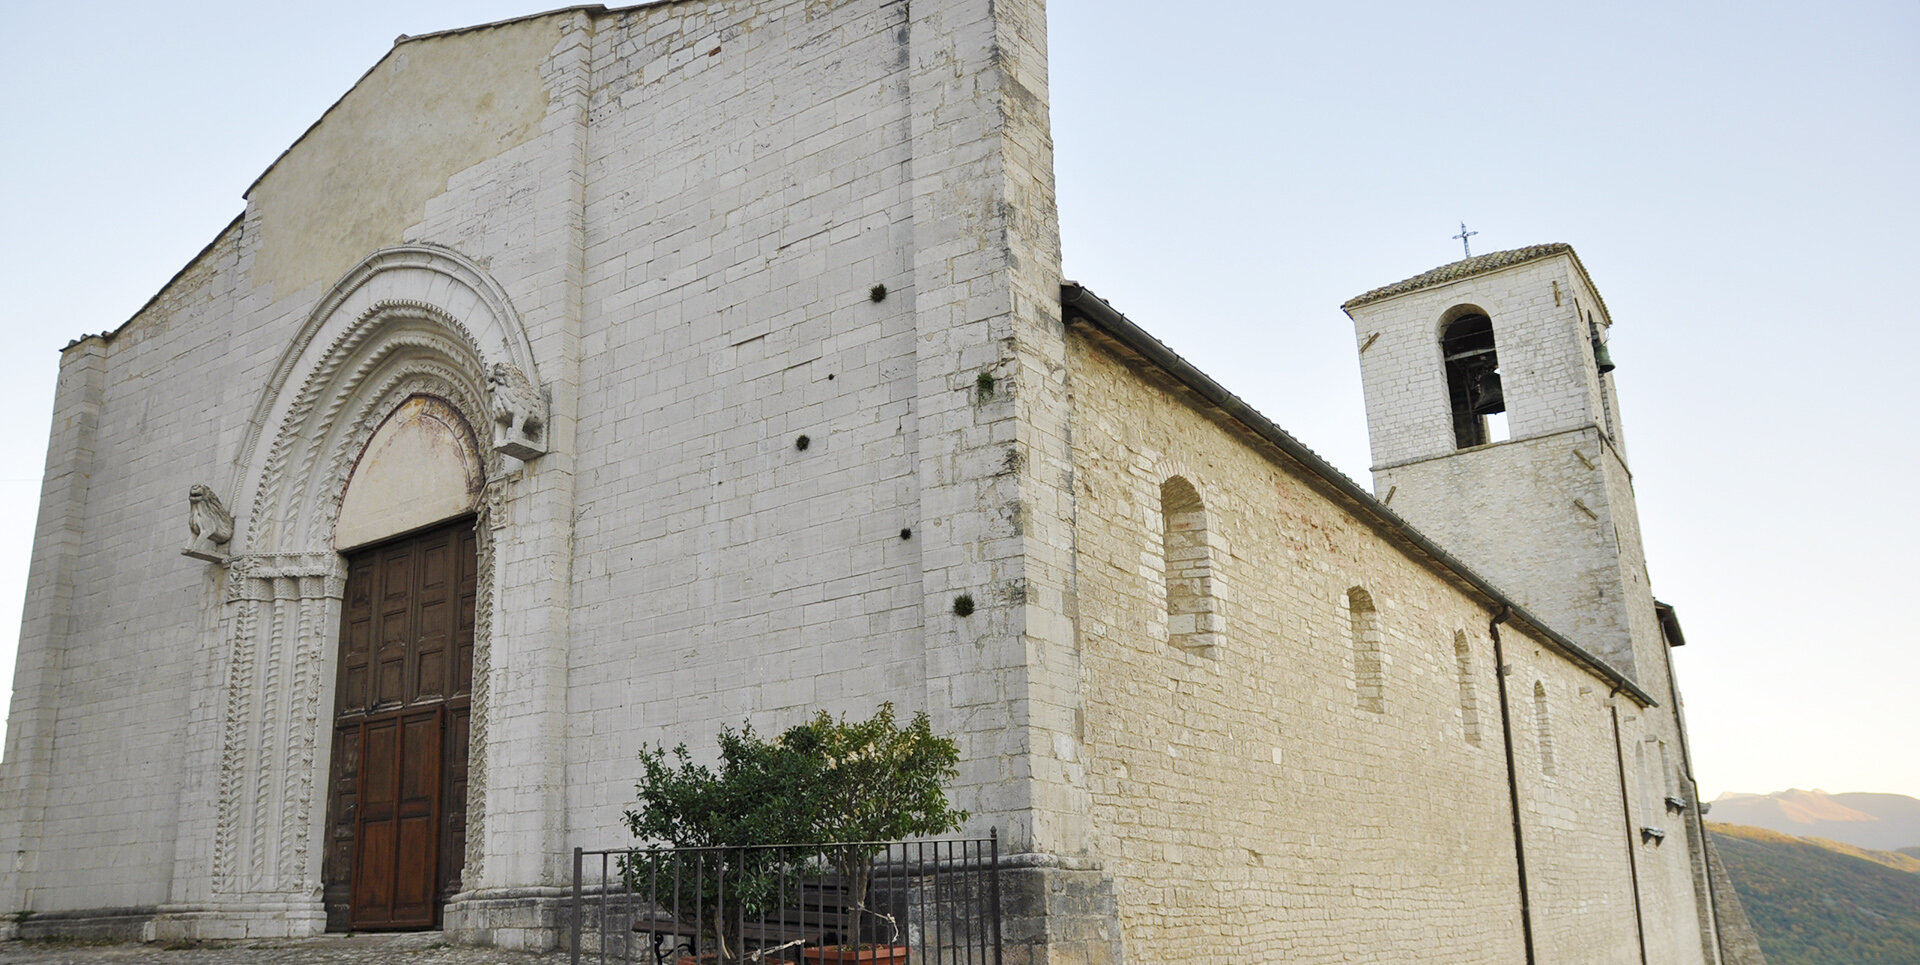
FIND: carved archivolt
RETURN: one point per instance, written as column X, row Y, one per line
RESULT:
column 407, row 322
column 344, row 400
column 422, row 275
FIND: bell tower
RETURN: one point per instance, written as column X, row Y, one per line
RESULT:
column 1495, row 431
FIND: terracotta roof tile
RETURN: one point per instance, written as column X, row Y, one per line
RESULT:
column 1478, row 264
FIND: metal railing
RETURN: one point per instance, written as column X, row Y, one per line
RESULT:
column 876, row 903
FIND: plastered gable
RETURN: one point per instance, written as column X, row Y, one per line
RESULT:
column 428, row 110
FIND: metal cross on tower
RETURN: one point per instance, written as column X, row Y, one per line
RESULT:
column 1462, row 238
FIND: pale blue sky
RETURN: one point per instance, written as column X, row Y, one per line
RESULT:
column 1739, row 179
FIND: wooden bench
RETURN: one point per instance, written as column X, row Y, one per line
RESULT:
column 818, row 917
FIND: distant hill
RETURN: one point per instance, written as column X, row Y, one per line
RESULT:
column 1823, row 902
column 1884, row 822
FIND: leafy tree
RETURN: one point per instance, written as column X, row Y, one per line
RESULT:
column 873, row 782
column 747, row 803
column 836, row 790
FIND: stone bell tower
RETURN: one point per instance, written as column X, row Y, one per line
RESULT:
column 1496, row 432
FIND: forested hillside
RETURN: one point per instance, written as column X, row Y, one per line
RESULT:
column 1823, row 903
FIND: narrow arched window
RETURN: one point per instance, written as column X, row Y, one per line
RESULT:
column 1369, row 669
column 1469, row 694
column 1645, row 784
column 1473, row 380
column 1543, row 727
column 1669, row 788
column 1193, row 617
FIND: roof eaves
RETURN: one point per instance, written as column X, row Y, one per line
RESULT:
column 109, row 335
column 1669, row 624
column 1464, row 268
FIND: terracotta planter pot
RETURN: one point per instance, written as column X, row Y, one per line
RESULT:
column 866, row 955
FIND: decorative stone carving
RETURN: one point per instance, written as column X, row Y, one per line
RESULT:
column 281, row 610
column 211, row 524
column 519, row 413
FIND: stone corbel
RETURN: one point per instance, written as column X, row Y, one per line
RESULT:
column 210, row 524
column 519, row 413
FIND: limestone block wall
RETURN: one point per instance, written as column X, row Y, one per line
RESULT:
column 802, row 254
column 747, row 190
column 94, row 774
column 1534, row 518
column 1248, row 803
column 1681, row 923
column 687, row 210
column 1580, row 877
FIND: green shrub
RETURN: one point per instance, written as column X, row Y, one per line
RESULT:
column 837, row 790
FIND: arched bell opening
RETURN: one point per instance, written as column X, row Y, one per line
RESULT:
column 1474, row 392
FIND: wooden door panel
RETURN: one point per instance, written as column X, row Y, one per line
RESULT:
column 453, row 841
column 342, row 813
column 373, row 876
column 396, row 828
column 398, row 831
column 376, row 827
column 356, row 642
column 417, row 844
column 396, row 630
column 469, row 563
column 436, row 593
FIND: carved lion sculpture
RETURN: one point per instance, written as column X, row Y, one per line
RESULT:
column 519, row 413
column 210, row 523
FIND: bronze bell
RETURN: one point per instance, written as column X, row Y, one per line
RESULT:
column 1602, row 360
column 1487, row 397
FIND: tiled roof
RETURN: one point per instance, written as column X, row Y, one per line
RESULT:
column 1478, row 264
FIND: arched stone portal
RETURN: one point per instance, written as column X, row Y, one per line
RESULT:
column 415, row 353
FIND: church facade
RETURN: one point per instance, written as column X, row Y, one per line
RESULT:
column 605, row 377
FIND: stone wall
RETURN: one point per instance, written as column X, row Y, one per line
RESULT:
column 96, row 742
column 1247, row 802
column 705, row 230
column 784, row 274
column 1548, row 516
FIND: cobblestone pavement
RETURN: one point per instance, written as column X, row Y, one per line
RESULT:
column 416, row 948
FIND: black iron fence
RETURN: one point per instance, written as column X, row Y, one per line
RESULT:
column 875, row 903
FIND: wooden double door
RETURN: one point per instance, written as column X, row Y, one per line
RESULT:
column 397, row 796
